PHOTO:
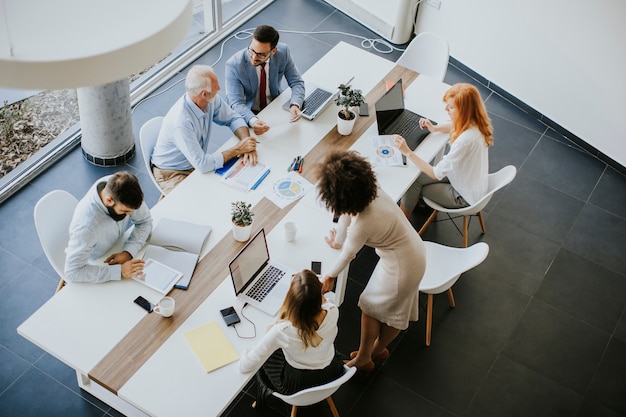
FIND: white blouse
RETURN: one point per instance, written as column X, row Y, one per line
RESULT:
column 284, row 335
column 466, row 165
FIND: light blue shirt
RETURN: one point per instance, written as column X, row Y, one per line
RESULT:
column 93, row 233
column 185, row 134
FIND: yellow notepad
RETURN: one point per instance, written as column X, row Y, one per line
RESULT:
column 211, row 346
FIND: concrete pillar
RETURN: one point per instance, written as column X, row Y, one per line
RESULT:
column 106, row 124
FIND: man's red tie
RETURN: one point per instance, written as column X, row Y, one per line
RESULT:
column 262, row 88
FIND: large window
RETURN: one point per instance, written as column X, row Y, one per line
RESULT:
column 41, row 127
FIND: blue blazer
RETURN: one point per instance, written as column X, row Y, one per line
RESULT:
column 242, row 82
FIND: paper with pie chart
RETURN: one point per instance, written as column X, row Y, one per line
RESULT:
column 384, row 153
column 288, row 189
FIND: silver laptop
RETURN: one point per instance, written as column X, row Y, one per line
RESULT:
column 315, row 101
column 257, row 280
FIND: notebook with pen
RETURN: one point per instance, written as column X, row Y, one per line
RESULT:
column 258, row 280
column 244, row 176
column 393, row 118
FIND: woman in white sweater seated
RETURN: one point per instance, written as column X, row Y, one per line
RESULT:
column 298, row 351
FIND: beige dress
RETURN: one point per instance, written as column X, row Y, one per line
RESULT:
column 391, row 293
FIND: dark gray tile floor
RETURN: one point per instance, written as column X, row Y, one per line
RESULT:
column 539, row 328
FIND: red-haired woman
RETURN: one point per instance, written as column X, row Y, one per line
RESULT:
column 460, row 178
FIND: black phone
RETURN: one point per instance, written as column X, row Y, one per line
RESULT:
column 143, row 303
column 364, row 109
column 316, row 266
column 230, row 316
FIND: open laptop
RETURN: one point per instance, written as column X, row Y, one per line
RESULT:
column 257, row 280
column 393, row 118
column 315, row 101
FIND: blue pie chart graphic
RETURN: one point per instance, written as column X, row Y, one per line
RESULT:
column 289, row 188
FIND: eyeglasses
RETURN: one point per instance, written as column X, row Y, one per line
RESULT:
column 259, row 54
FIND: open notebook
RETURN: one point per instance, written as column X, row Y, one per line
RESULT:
column 177, row 244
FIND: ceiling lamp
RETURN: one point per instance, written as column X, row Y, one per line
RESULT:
column 61, row 44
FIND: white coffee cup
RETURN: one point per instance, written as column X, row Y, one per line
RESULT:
column 165, row 307
column 290, row 231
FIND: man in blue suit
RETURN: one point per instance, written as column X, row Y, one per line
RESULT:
column 243, row 77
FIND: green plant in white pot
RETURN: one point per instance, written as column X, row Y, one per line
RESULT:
column 241, row 215
column 348, row 98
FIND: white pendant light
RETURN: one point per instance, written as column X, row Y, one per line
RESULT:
column 59, row 44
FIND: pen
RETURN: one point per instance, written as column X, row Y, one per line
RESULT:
column 301, row 163
column 297, row 165
column 296, row 117
column 292, row 164
column 256, row 184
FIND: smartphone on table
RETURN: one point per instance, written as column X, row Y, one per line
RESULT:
column 230, row 316
column 316, row 266
column 145, row 304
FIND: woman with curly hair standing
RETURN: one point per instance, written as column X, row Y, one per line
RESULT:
column 368, row 216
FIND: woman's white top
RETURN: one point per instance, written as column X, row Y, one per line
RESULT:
column 284, row 335
column 466, row 165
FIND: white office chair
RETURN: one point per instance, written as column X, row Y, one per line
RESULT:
column 427, row 54
column 497, row 180
column 148, row 135
column 314, row 395
column 444, row 266
column 53, row 215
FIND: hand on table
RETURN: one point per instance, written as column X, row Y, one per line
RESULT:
column 425, row 123
column 400, row 143
column 260, row 127
column 118, row 258
column 132, row 268
column 246, row 145
column 250, row 157
column 331, row 239
column 296, row 114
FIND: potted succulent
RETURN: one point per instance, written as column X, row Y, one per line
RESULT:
column 241, row 215
column 347, row 98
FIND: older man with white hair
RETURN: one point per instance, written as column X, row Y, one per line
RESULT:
column 183, row 142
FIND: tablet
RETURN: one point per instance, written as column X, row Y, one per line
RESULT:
column 158, row 276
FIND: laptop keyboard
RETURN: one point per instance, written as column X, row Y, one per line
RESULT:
column 406, row 124
column 314, row 100
column 265, row 283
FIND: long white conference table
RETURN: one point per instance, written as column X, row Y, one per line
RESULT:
column 140, row 363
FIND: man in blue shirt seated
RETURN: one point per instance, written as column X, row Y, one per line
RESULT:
column 100, row 219
column 183, row 142
column 248, row 91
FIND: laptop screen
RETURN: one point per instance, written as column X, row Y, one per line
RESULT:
column 389, row 107
column 249, row 261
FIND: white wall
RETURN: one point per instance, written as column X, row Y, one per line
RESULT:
column 564, row 58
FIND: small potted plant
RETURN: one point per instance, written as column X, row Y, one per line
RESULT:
column 347, row 98
column 241, row 215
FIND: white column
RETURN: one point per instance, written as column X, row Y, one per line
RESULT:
column 106, row 124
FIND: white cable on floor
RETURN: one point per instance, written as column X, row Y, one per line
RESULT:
column 366, row 43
